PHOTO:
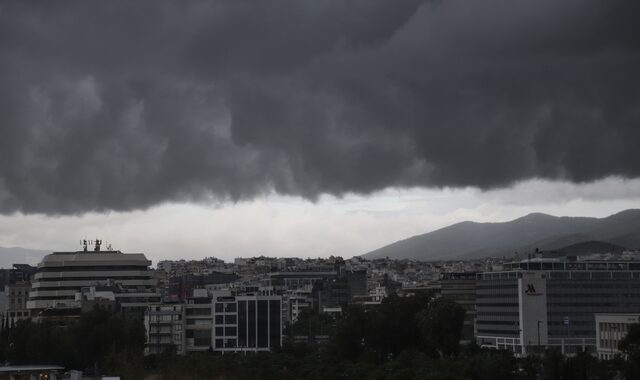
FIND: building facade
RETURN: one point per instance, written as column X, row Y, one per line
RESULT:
column 610, row 330
column 63, row 274
column 461, row 288
column 164, row 326
column 219, row 322
column 542, row 303
column 247, row 323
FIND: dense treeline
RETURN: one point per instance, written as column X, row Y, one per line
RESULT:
column 99, row 342
column 403, row 338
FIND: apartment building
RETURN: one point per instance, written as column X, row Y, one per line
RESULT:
column 219, row 321
column 164, row 326
column 199, row 321
column 610, row 330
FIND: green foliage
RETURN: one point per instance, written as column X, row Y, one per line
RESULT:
column 630, row 347
column 310, row 324
column 441, row 326
column 402, row 339
column 98, row 341
column 380, row 333
column 630, row 344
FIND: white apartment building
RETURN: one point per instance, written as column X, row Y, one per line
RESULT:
column 610, row 330
column 63, row 274
column 16, row 301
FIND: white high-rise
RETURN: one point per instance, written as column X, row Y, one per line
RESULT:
column 63, row 274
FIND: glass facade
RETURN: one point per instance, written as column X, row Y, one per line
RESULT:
column 575, row 292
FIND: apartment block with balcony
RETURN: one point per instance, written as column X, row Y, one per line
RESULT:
column 164, row 326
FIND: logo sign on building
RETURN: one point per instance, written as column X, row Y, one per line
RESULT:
column 565, row 321
column 532, row 289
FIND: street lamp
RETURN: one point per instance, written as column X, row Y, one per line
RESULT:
column 539, row 322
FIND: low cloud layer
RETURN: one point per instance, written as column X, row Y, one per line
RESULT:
column 123, row 105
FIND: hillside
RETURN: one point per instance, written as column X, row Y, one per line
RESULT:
column 592, row 246
column 469, row 240
column 17, row 255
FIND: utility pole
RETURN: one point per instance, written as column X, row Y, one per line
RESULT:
column 539, row 322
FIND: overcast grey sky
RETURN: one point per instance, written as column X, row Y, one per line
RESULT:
column 314, row 127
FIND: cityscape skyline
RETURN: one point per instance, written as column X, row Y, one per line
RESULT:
column 286, row 189
column 381, row 121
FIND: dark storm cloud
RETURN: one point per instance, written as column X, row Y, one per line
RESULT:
column 123, row 105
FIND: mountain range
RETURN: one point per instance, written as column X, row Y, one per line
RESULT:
column 17, row 255
column 471, row 240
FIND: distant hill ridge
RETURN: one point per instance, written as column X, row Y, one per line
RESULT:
column 17, row 255
column 470, row 240
column 592, row 246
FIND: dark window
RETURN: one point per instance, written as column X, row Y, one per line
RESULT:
column 219, row 319
column 206, row 311
column 219, row 331
column 219, row 307
column 242, row 323
column 230, row 319
column 263, row 324
column 230, row 307
column 251, row 321
column 275, row 316
column 230, row 331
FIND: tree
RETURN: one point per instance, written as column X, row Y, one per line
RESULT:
column 441, row 326
column 630, row 344
column 630, row 347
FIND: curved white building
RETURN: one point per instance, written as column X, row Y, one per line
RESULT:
column 63, row 274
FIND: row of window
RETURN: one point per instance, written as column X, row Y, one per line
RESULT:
column 226, row 331
column 113, row 277
column 230, row 319
column 94, row 268
column 225, row 307
column 165, row 318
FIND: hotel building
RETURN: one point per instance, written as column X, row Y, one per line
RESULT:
column 539, row 303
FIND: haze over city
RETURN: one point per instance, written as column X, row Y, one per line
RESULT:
column 305, row 128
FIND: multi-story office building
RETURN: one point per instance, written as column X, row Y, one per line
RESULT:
column 461, row 288
column 297, row 301
column 164, row 325
column 14, row 292
column 247, row 322
column 180, row 287
column 199, row 321
column 295, row 280
column 63, row 274
column 540, row 303
column 610, row 330
column 221, row 322
column 357, row 280
column 16, row 307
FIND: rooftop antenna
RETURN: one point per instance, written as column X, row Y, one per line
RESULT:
column 83, row 243
column 98, row 242
column 109, row 248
